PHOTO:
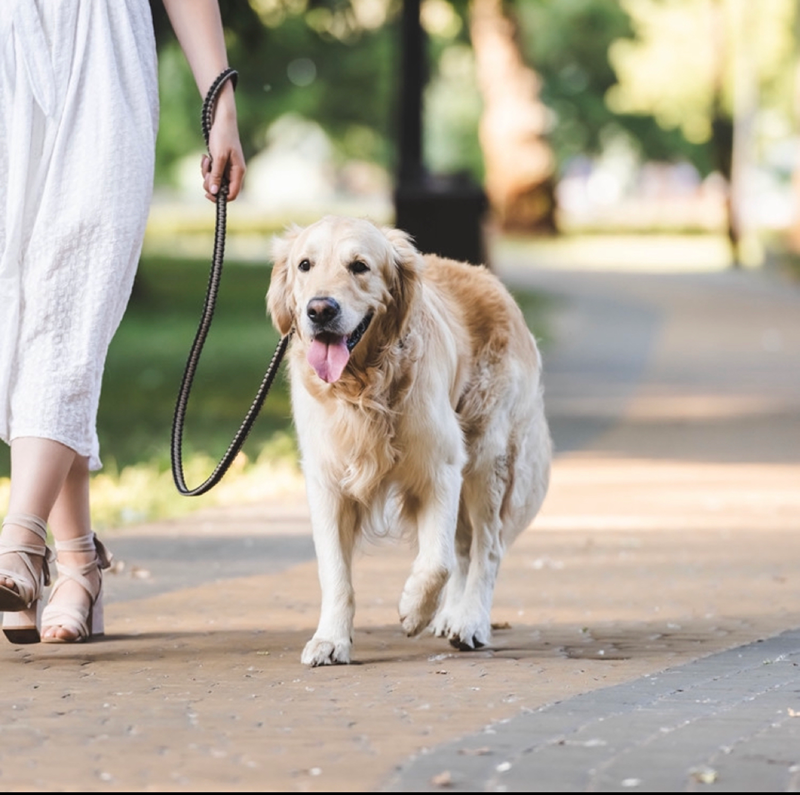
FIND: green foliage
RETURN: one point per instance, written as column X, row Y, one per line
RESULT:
column 568, row 42
column 346, row 84
column 452, row 103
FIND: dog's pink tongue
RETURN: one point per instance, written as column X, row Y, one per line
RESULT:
column 328, row 358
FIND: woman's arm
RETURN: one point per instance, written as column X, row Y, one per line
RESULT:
column 198, row 28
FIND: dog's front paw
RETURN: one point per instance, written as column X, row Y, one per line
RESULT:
column 420, row 599
column 440, row 626
column 319, row 651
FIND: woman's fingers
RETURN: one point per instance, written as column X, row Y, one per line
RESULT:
column 214, row 171
column 235, row 178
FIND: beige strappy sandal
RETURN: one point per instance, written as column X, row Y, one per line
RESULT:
column 82, row 622
column 22, row 606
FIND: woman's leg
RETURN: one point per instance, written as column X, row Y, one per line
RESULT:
column 51, row 481
column 70, row 516
column 39, row 468
column 70, row 519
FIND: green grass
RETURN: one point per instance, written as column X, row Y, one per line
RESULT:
column 148, row 356
column 144, row 369
column 536, row 309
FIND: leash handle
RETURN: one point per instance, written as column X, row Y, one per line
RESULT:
column 210, row 101
column 202, row 332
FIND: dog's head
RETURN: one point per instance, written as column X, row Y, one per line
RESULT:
column 344, row 285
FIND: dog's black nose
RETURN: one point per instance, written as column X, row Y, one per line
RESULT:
column 322, row 310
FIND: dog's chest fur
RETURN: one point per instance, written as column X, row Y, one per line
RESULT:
column 364, row 424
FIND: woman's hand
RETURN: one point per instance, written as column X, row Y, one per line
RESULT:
column 198, row 27
column 226, row 160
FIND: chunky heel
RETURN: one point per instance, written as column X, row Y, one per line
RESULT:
column 81, row 623
column 97, row 622
column 21, row 604
column 22, row 627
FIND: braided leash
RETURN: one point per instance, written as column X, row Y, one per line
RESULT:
column 205, row 323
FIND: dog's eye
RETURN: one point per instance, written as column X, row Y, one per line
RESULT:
column 304, row 265
column 357, row 266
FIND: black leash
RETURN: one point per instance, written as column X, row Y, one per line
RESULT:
column 202, row 332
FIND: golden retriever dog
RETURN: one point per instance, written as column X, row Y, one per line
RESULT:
column 418, row 404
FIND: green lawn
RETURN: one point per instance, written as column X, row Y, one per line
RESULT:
column 148, row 356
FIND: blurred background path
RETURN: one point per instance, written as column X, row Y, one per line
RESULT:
column 675, row 353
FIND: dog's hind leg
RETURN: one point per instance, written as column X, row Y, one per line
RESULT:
column 457, row 582
column 334, row 525
column 503, row 490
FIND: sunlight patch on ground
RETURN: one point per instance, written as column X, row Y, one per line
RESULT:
column 669, row 495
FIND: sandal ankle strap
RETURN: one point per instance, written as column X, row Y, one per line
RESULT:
column 29, row 521
column 38, row 527
column 87, row 543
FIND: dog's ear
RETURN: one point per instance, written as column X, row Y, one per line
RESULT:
column 406, row 274
column 278, row 299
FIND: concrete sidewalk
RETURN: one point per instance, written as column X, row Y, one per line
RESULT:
column 647, row 625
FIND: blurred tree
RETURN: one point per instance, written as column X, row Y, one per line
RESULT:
column 518, row 160
column 704, row 67
column 570, row 43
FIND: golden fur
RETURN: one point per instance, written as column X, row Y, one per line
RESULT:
column 433, row 423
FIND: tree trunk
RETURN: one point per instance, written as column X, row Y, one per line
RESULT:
column 518, row 162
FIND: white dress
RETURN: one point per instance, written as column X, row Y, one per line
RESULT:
column 78, row 125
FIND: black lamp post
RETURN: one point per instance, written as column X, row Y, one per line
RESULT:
column 443, row 213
